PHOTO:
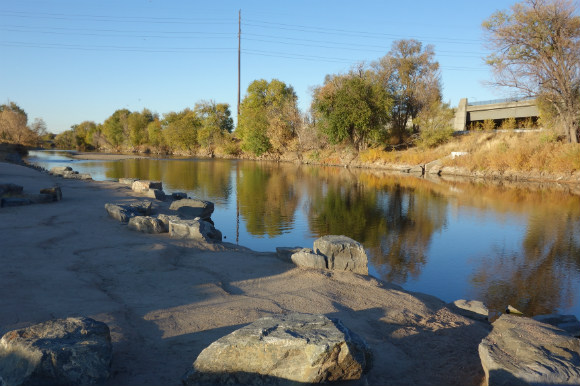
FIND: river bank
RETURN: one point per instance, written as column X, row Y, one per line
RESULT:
column 167, row 298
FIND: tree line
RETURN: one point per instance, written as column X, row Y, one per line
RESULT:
column 390, row 103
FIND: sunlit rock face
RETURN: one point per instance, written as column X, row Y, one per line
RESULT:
column 282, row 350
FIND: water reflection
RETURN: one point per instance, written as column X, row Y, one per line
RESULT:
column 499, row 244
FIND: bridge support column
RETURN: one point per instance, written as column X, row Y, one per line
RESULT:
column 460, row 116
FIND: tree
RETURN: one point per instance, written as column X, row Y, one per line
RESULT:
column 115, row 127
column 14, row 125
column 352, row 107
column 436, row 124
column 180, row 130
column 536, row 50
column 410, row 75
column 216, row 121
column 137, row 126
column 268, row 117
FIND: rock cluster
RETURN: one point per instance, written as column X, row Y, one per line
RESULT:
column 68, row 172
column 13, row 195
column 192, row 219
column 72, row 351
column 329, row 252
column 283, row 350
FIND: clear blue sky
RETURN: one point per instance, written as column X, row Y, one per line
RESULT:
column 67, row 61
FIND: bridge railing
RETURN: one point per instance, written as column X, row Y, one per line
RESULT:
column 505, row 100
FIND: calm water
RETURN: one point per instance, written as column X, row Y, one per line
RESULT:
column 502, row 245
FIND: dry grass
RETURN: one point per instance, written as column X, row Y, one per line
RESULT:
column 490, row 151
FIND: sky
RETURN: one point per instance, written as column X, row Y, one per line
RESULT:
column 69, row 61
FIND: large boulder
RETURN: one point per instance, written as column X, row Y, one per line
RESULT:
column 195, row 229
column 127, row 181
column 191, row 208
column 60, row 170
column 523, row 351
column 146, row 224
column 285, row 253
column 166, row 219
column 473, row 309
column 283, row 350
column 141, row 186
column 72, row 351
column 342, row 253
column 308, row 259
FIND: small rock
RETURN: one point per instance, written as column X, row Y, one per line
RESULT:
column 72, row 351
column 146, row 224
column 60, row 170
column 119, row 212
column 156, row 194
column 10, row 189
column 142, row 186
column 196, row 229
column 14, row 201
column 568, row 323
column 127, row 181
column 512, row 310
column 473, row 309
column 178, row 195
column 522, row 351
column 342, row 253
column 283, row 350
column 191, row 208
column 285, row 253
column 308, row 259
column 55, row 192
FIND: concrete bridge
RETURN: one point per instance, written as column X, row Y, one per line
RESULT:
column 496, row 109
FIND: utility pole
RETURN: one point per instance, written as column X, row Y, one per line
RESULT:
column 239, row 58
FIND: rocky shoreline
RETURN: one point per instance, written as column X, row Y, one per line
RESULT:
column 166, row 299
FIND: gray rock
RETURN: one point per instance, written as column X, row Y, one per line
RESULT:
column 568, row 323
column 165, row 219
column 473, row 309
column 342, row 253
column 127, row 181
column 72, row 351
column 59, row 170
column 308, row 259
column 283, row 350
column 10, row 189
column 142, row 186
column 522, row 351
column 196, row 229
column 119, row 212
column 285, row 253
column 191, row 208
column 512, row 310
column 146, row 224
column 55, row 192
column 14, row 201
column 124, row 213
column 156, row 194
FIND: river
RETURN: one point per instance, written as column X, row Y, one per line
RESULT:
column 499, row 243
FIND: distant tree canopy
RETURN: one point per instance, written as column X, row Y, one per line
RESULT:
column 268, row 117
column 536, row 50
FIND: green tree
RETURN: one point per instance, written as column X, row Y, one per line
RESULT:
column 216, row 121
column 155, row 134
column 410, row 75
column 180, row 130
column 84, row 135
column 436, row 124
column 352, row 107
column 115, row 128
column 137, row 126
column 536, row 50
column 268, row 118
